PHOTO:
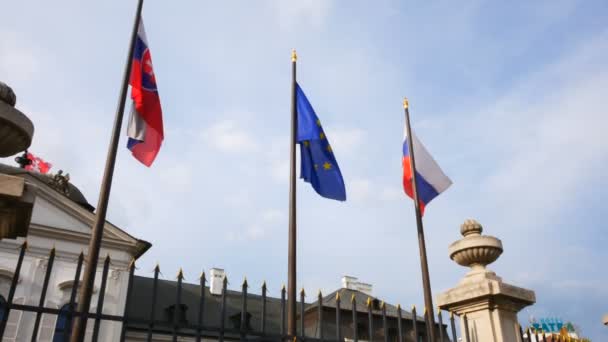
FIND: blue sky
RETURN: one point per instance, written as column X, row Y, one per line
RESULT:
column 510, row 98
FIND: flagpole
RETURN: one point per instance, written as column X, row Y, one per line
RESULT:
column 426, row 280
column 92, row 259
column 291, row 267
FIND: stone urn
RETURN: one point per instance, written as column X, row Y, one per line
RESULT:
column 475, row 250
column 487, row 306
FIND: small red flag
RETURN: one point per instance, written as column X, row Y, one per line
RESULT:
column 37, row 164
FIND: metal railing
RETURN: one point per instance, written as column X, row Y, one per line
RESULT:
column 348, row 318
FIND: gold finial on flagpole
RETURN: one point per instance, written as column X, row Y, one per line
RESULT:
column 406, row 103
column 294, row 56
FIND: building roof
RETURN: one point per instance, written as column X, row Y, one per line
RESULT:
column 73, row 192
column 140, row 306
column 361, row 298
column 74, row 195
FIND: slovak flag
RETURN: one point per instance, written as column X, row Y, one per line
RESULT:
column 145, row 128
column 430, row 179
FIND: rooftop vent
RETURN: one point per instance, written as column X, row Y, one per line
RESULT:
column 216, row 280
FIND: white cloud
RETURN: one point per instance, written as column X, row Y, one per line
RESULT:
column 18, row 59
column 346, row 141
column 549, row 144
column 392, row 193
column 359, row 189
column 261, row 227
column 293, row 14
column 230, row 136
column 272, row 216
column 280, row 170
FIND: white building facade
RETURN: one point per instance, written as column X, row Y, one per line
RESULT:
column 62, row 219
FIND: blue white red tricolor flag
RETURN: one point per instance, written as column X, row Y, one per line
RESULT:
column 145, row 128
column 430, row 179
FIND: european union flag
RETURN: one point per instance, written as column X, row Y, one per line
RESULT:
column 318, row 163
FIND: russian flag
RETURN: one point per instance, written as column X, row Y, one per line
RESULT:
column 430, row 179
column 145, row 128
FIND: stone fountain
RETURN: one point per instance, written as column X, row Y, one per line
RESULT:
column 489, row 304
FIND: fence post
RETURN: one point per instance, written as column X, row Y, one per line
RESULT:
column 71, row 307
column 223, row 309
column 243, row 325
column 353, row 305
column 384, row 327
column 264, row 289
column 466, row 328
column 153, row 309
column 45, row 285
column 338, row 326
column 320, row 314
column 453, row 324
column 178, row 304
column 101, row 297
column 415, row 323
column 201, row 308
column 302, row 298
column 440, row 324
column 127, row 300
column 283, row 311
column 11, row 292
column 370, row 320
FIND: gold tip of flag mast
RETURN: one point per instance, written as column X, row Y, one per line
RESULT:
column 406, row 103
column 294, row 56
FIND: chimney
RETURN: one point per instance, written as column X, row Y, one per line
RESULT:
column 349, row 282
column 365, row 288
column 216, row 280
column 353, row 283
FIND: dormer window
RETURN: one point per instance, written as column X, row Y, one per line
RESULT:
column 180, row 312
column 376, row 304
column 236, row 321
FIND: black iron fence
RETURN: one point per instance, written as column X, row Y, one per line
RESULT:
column 211, row 320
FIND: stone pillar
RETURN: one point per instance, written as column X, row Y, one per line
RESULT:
column 490, row 305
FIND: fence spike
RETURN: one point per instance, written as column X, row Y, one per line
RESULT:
column 202, row 277
column 369, row 302
column 382, row 305
column 245, row 282
column 398, row 306
column 302, row 292
column 337, row 295
column 352, row 297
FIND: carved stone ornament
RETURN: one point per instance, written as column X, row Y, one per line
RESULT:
column 61, row 182
column 115, row 274
column 42, row 263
